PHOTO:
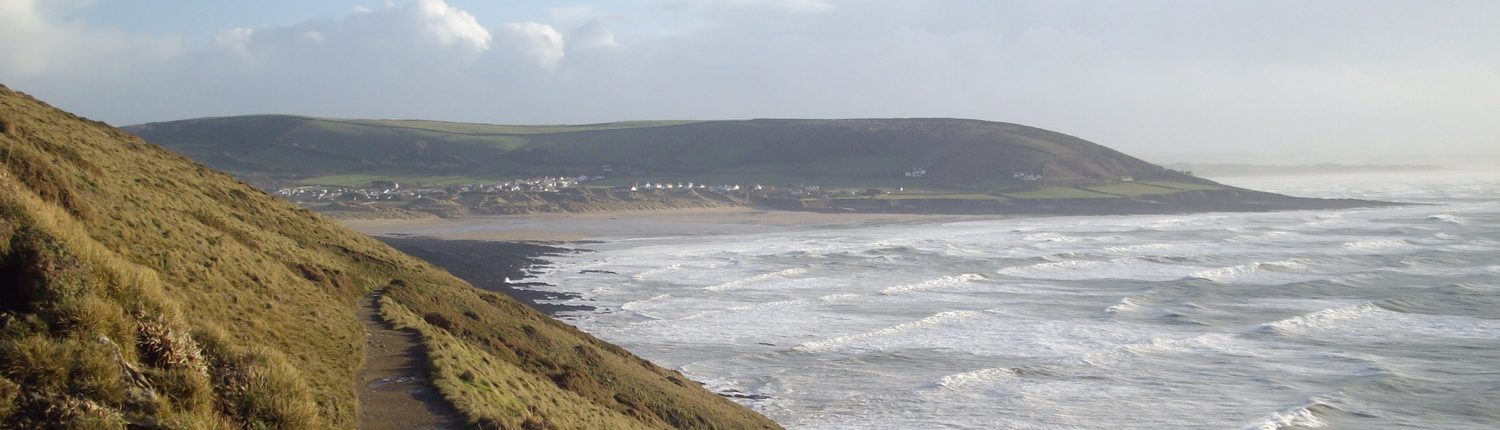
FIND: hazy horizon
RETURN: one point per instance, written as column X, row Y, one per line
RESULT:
column 1398, row 82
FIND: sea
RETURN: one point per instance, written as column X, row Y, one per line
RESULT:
column 1354, row 319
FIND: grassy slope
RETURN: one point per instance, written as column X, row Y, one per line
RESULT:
column 851, row 153
column 137, row 286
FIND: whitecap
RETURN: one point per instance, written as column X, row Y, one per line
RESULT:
column 757, row 278
column 836, row 343
column 946, row 281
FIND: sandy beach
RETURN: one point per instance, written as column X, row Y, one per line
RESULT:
column 572, row 227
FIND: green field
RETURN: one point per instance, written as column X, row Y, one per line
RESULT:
column 1058, row 193
column 1134, row 189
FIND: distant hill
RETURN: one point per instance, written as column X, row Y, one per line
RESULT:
column 955, row 154
column 951, row 166
column 139, row 289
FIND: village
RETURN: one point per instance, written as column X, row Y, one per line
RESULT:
column 393, row 191
column 388, row 190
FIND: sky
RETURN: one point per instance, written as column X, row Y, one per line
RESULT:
column 1265, row 81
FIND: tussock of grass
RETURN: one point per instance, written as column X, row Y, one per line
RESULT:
column 140, row 289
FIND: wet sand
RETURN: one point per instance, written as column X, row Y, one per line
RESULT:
column 572, row 227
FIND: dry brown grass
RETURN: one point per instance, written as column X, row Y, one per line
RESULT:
column 141, row 288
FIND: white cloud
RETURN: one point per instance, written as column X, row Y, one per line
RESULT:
column 540, row 42
column 798, row 6
column 1342, row 76
column 592, row 35
column 36, row 46
column 450, row 26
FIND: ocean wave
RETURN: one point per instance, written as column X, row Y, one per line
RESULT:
column 1131, row 249
column 1322, row 319
column 945, row 281
column 1309, row 415
column 1376, row 246
column 757, row 278
column 646, row 274
column 1128, row 304
column 1211, row 342
column 636, row 305
column 745, row 308
column 1262, row 237
column 1052, row 266
column 1243, row 272
column 959, row 380
column 1377, row 322
column 836, row 343
column 1448, row 218
column 1468, row 300
column 1050, row 238
column 1142, row 268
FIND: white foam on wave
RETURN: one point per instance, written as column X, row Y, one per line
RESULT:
column 1126, row 305
column 836, row 343
column 1219, row 343
column 1301, row 417
column 1050, row 238
column 981, row 376
column 946, row 281
column 637, row 305
column 1370, row 322
column 1260, row 270
column 1118, row 268
column 757, row 278
column 1321, row 319
column 1051, row 266
column 1133, row 249
column 1448, row 218
column 649, row 273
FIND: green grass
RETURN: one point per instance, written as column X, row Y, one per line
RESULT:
column 1185, row 186
column 142, row 287
column 1132, row 189
column 1057, row 193
column 938, row 196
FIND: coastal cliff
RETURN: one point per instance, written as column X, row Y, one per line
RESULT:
column 143, row 290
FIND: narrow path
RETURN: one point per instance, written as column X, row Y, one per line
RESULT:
column 395, row 390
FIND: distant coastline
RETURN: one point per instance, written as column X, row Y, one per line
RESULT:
column 1224, row 170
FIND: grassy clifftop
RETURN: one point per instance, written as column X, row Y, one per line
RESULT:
column 140, row 288
column 963, row 154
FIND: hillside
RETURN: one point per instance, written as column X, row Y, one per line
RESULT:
column 957, row 154
column 855, row 165
column 140, row 289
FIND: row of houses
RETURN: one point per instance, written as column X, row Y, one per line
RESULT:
column 1020, row 176
column 690, row 186
column 391, row 190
